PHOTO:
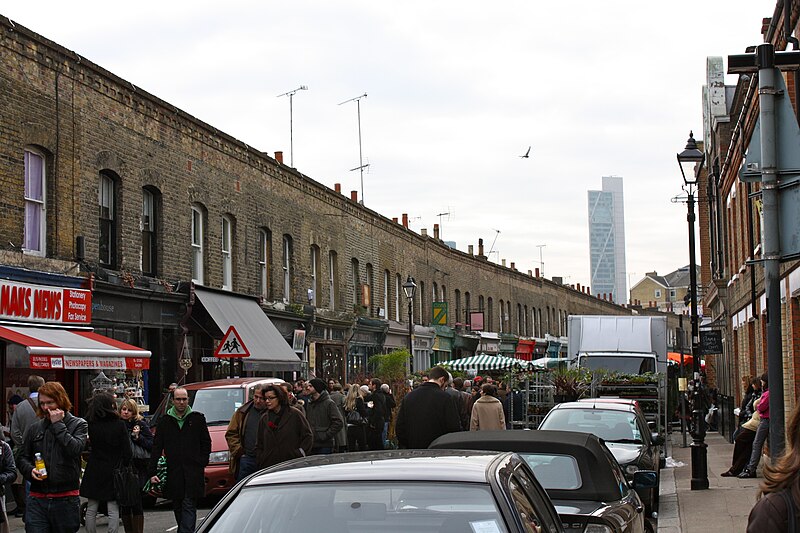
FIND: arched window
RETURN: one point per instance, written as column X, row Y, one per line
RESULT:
column 457, row 315
column 150, row 227
column 368, row 293
column 386, row 292
column 490, row 314
column 107, row 198
column 502, row 316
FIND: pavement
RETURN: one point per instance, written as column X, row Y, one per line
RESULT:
column 722, row 508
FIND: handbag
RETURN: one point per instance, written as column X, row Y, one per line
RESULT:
column 126, row 485
column 140, row 453
column 354, row 418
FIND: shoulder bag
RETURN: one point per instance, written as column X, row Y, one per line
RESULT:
column 354, row 418
column 126, row 485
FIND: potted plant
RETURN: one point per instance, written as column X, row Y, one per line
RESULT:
column 569, row 384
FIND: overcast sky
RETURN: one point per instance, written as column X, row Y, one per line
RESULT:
column 457, row 91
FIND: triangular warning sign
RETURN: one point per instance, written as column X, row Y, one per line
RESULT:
column 231, row 345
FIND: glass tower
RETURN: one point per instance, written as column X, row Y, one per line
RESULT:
column 607, row 240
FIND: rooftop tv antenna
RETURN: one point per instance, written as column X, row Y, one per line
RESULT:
column 290, row 94
column 361, row 166
column 440, row 215
column 494, row 241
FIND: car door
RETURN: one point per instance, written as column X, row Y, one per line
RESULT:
column 531, row 503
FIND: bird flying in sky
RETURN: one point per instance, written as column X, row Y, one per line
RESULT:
column 527, row 154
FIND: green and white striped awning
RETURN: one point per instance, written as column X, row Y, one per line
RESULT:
column 484, row 362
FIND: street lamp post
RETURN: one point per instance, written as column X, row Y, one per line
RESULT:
column 409, row 287
column 691, row 163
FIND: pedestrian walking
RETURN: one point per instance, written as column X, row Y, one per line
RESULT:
column 427, row 412
column 376, row 404
column 57, row 439
column 323, row 416
column 779, row 496
column 389, row 406
column 462, row 399
column 142, row 442
column 182, row 436
column 109, row 448
column 487, row 413
column 242, row 434
column 283, row 431
column 762, row 432
column 335, row 391
column 355, row 413
column 8, row 473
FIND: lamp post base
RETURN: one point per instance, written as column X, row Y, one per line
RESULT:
column 699, row 465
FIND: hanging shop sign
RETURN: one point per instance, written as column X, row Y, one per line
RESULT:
column 42, row 303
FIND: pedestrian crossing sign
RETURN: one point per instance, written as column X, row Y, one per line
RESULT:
column 231, row 345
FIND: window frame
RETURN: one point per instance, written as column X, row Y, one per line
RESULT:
column 287, row 268
column 264, row 254
column 107, row 220
column 226, row 242
column 38, row 205
column 148, row 262
column 198, row 245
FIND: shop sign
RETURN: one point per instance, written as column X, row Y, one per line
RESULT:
column 76, row 362
column 299, row 341
column 209, row 359
column 439, row 313
column 41, row 303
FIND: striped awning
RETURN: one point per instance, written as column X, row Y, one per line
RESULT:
column 484, row 362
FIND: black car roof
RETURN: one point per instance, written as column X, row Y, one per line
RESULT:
column 394, row 465
column 594, row 461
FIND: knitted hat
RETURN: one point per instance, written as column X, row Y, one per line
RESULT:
column 16, row 399
column 318, row 384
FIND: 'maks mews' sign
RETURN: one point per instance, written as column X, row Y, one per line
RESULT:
column 41, row 303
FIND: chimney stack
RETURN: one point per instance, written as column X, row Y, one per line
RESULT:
column 530, row 273
column 480, row 247
column 471, row 250
column 579, row 287
column 537, row 272
column 394, row 219
column 503, row 262
column 512, row 266
column 436, row 231
column 423, row 232
column 279, row 157
column 611, row 297
column 354, row 196
column 405, row 220
column 337, row 187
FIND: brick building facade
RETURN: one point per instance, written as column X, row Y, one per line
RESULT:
column 145, row 199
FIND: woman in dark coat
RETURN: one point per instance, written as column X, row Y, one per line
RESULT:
column 142, row 442
column 109, row 447
column 283, row 432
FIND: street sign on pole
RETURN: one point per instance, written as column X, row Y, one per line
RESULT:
column 231, row 345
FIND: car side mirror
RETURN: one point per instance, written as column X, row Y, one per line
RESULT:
column 657, row 439
column 651, row 424
column 645, row 479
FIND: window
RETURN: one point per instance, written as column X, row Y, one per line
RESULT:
column 672, row 293
column 264, row 261
column 367, row 296
column 355, row 272
column 198, row 239
column 421, row 290
column 502, row 316
column 108, row 221
column 467, row 306
column 658, row 293
column 520, row 321
column 287, row 268
column 227, row 255
column 398, row 283
column 435, row 293
column 457, row 316
column 315, row 281
column 386, row 292
column 34, row 237
column 489, row 323
column 508, row 317
column 149, row 228
column 332, row 276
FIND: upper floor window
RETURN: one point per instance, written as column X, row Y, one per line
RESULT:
column 398, row 282
column 366, row 293
column 149, row 235
column 198, row 243
column 313, row 296
column 355, row 271
column 108, row 220
column 658, row 293
column 287, row 268
column 34, row 237
column 386, row 292
column 227, row 253
column 333, row 271
column 264, row 260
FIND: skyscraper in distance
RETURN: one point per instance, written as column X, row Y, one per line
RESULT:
column 607, row 240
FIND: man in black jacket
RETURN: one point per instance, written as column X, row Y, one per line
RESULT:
column 54, row 501
column 427, row 412
column 182, row 435
column 323, row 416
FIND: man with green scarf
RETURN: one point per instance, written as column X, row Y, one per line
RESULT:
column 182, row 435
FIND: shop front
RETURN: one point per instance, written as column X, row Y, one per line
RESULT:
column 229, row 335
column 423, row 345
column 367, row 340
column 489, row 343
column 46, row 330
column 442, row 345
column 465, row 345
column 396, row 337
column 508, row 344
column 327, row 349
column 525, row 349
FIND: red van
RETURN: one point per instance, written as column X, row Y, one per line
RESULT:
column 217, row 400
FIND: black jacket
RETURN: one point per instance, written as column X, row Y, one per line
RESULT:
column 426, row 413
column 325, row 420
column 186, row 450
column 110, row 447
column 61, row 445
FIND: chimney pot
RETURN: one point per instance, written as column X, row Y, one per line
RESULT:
column 423, row 232
column 480, row 247
column 337, row 187
column 405, row 220
column 279, row 157
column 354, row 196
column 503, row 262
column 512, row 266
column 537, row 272
column 471, row 250
column 394, row 219
column 436, row 231
column 530, row 273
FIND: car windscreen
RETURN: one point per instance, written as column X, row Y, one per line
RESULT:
column 558, row 472
column 609, row 425
column 217, row 404
column 362, row 507
column 628, row 364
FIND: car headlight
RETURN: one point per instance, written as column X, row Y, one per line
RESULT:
column 218, row 457
column 631, row 469
column 597, row 528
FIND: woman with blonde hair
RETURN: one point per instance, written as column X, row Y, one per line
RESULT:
column 355, row 415
column 779, row 497
column 141, row 442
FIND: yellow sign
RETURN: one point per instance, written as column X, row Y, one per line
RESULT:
column 439, row 313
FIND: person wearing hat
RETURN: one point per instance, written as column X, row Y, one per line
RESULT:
column 323, row 416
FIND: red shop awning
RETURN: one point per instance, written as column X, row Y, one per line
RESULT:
column 75, row 349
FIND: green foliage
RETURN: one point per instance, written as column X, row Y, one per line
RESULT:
column 391, row 367
column 630, row 379
column 571, row 382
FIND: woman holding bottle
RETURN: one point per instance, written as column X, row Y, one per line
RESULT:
column 142, row 442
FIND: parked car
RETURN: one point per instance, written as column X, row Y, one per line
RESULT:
column 439, row 491
column 217, row 400
column 577, row 471
column 624, row 430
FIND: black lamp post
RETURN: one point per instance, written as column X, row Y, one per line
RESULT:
column 691, row 162
column 409, row 287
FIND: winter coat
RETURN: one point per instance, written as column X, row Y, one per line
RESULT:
column 325, row 420
column 61, row 445
column 377, row 413
column 8, row 470
column 288, row 438
column 487, row 414
column 144, row 442
column 24, row 417
column 235, row 434
column 361, row 407
column 462, row 402
column 770, row 514
column 186, row 450
column 110, row 446
column 425, row 414
column 339, row 399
